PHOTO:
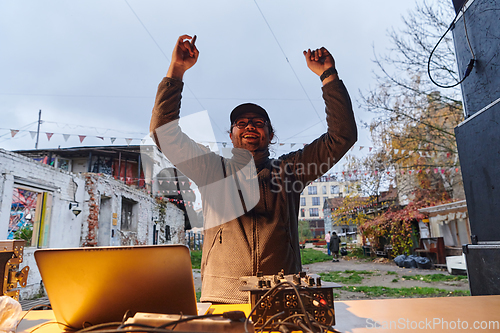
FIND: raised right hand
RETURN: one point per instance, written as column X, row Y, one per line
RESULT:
column 184, row 56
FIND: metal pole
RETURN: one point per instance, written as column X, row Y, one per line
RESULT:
column 38, row 130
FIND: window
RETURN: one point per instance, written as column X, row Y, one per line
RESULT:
column 315, row 201
column 334, row 189
column 302, row 212
column 129, row 215
column 302, row 201
column 31, row 211
column 312, row 190
column 168, row 236
column 323, row 190
column 313, row 212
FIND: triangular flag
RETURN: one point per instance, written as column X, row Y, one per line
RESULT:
column 282, row 144
column 224, row 144
column 66, row 137
column 112, row 140
column 100, row 137
column 175, row 182
column 13, row 132
column 370, row 149
column 128, row 141
column 160, row 181
column 361, row 147
column 49, row 135
column 32, row 133
column 292, row 144
column 143, row 141
column 82, row 137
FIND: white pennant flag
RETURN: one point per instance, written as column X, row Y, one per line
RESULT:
column 66, row 137
column 112, row 140
column 33, row 134
column 292, row 144
column 128, row 141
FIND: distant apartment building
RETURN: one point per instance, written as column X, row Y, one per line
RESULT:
column 314, row 196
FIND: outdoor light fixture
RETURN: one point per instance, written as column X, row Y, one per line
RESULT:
column 73, row 206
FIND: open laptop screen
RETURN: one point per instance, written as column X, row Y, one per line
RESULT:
column 89, row 286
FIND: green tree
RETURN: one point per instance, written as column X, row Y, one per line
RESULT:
column 304, row 231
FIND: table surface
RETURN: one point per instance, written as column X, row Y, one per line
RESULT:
column 444, row 314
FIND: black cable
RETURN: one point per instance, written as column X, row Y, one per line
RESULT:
column 470, row 66
column 269, row 320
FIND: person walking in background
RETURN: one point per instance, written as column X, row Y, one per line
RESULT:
column 327, row 239
column 334, row 246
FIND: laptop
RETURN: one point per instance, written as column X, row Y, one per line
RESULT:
column 89, row 286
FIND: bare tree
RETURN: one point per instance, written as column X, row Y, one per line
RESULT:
column 415, row 119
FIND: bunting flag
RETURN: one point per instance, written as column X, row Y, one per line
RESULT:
column 292, row 144
column 100, row 137
column 49, row 135
column 112, row 140
column 13, row 132
column 82, row 137
column 370, row 149
column 160, row 181
column 224, row 144
column 361, row 147
column 282, row 144
column 143, row 141
column 128, row 140
column 33, row 134
column 66, row 137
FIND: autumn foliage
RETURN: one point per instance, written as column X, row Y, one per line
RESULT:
column 395, row 224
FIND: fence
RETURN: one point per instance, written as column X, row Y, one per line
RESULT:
column 194, row 240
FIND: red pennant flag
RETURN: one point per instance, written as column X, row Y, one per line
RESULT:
column 49, row 135
column 82, row 137
column 13, row 132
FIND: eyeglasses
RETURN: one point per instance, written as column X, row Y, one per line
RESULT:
column 243, row 122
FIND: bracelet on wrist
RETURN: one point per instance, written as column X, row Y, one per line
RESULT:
column 327, row 73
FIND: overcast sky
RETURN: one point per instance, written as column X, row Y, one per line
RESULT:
column 93, row 67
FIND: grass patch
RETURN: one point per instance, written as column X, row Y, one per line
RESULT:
column 435, row 277
column 345, row 277
column 357, row 252
column 198, row 296
column 405, row 292
column 309, row 256
column 392, row 273
column 196, row 259
column 394, row 280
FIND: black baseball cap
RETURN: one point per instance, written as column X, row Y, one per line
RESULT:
column 248, row 107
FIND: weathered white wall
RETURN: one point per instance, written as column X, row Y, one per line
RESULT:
column 67, row 230
column 64, row 227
